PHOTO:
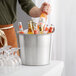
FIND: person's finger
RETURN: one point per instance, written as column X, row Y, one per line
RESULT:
column 47, row 9
column 49, row 5
column 45, row 3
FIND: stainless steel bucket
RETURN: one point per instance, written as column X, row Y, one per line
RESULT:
column 35, row 49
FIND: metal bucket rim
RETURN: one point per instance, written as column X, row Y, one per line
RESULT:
column 36, row 34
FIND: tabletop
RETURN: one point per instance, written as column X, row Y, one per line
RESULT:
column 55, row 68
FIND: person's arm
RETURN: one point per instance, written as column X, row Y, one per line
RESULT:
column 26, row 5
column 30, row 8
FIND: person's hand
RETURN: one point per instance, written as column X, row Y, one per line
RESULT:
column 36, row 12
column 46, row 8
